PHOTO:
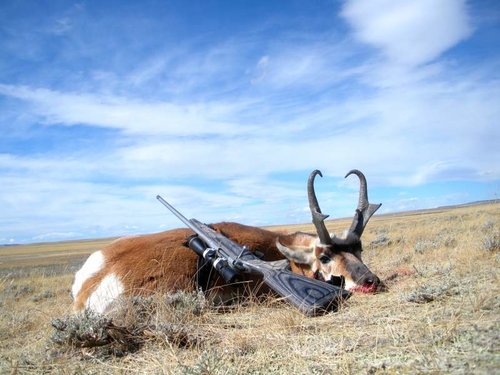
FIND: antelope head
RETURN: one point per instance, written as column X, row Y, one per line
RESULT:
column 328, row 257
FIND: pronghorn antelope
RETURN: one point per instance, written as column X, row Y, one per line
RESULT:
column 162, row 261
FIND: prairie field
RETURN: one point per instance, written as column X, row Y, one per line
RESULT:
column 440, row 314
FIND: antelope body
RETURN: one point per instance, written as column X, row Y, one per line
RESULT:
column 162, row 262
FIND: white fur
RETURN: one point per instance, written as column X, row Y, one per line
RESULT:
column 92, row 265
column 302, row 254
column 349, row 284
column 108, row 290
column 318, row 243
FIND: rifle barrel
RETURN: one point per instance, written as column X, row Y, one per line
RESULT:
column 189, row 224
column 174, row 211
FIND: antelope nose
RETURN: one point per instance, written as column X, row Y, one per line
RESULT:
column 372, row 280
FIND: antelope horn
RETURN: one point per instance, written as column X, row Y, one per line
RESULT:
column 365, row 210
column 317, row 217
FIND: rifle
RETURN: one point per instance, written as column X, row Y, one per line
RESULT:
column 310, row 296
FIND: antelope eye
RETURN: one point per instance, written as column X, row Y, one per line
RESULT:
column 324, row 259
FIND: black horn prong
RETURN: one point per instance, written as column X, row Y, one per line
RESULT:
column 318, row 217
column 365, row 210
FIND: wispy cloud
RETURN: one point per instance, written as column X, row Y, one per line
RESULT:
column 313, row 66
column 128, row 114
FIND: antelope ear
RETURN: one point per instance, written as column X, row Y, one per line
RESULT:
column 297, row 247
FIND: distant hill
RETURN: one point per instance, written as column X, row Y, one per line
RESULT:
column 476, row 203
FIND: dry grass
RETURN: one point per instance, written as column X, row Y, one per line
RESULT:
column 48, row 254
column 440, row 315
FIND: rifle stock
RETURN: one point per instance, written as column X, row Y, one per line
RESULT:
column 306, row 294
column 310, row 296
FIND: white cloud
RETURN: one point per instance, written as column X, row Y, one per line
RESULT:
column 53, row 236
column 409, row 32
column 131, row 115
column 62, row 25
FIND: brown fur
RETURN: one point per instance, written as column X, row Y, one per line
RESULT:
column 162, row 261
column 303, row 269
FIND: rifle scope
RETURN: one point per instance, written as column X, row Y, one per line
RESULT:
column 200, row 248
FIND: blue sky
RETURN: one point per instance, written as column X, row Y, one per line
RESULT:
column 225, row 107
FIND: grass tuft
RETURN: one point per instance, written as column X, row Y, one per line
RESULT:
column 429, row 293
column 491, row 242
column 162, row 320
column 424, row 245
